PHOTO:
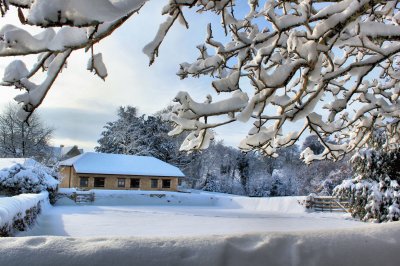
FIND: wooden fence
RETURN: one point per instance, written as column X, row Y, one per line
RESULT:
column 82, row 196
column 327, row 204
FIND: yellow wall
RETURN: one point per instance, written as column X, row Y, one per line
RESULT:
column 72, row 179
column 66, row 173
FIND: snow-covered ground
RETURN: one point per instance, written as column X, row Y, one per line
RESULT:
column 159, row 214
column 198, row 229
column 165, row 221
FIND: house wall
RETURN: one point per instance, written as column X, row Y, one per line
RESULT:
column 72, row 179
column 67, row 173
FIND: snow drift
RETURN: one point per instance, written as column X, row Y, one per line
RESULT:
column 16, row 208
column 371, row 245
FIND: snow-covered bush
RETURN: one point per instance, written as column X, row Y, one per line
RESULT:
column 371, row 200
column 374, row 192
column 27, row 178
column 19, row 212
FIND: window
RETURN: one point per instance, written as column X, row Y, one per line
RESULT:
column 99, row 181
column 154, row 183
column 166, row 183
column 121, row 182
column 84, row 182
column 135, row 183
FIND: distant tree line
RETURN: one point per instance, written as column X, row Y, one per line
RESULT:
column 221, row 168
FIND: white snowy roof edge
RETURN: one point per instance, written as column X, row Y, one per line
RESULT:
column 71, row 161
column 120, row 164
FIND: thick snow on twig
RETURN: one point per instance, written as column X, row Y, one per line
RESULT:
column 79, row 13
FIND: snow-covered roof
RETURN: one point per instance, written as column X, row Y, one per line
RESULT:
column 119, row 164
column 62, row 150
column 8, row 162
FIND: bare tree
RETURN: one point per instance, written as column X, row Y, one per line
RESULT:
column 23, row 139
column 296, row 57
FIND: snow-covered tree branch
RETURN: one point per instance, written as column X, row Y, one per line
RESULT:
column 299, row 57
column 70, row 26
column 331, row 64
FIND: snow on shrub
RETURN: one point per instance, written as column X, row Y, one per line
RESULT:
column 374, row 192
column 30, row 177
column 17, row 213
column 371, row 200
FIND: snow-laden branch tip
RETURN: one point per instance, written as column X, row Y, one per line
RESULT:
column 96, row 65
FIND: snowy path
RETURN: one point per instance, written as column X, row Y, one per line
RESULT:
column 166, row 221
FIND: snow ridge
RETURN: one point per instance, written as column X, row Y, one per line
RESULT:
column 10, row 207
column 339, row 247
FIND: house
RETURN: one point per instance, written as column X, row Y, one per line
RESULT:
column 116, row 171
column 63, row 152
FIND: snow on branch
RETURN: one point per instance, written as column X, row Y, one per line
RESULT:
column 332, row 64
column 96, row 65
column 75, row 13
column 306, row 56
column 35, row 93
column 69, row 25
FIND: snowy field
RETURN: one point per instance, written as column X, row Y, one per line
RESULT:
column 144, row 228
column 166, row 221
column 145, row 214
